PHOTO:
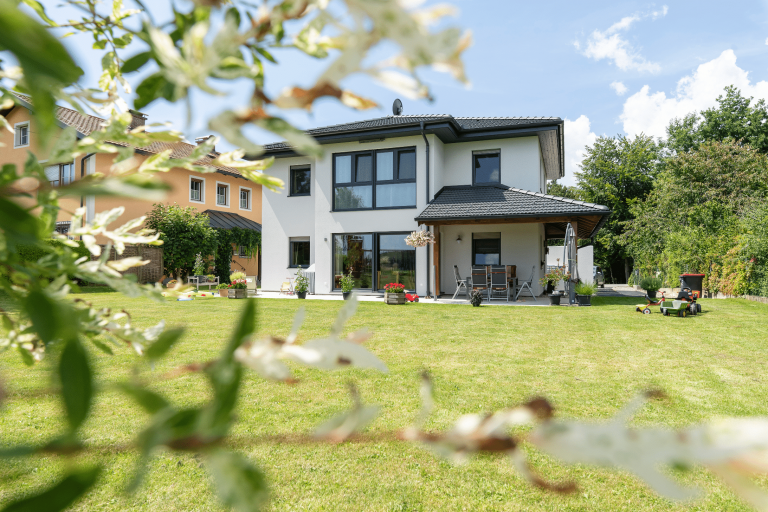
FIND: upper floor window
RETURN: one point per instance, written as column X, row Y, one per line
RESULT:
column 384, row 178
column 245, row 198
column 242, row 251
column 21, row 135
column 60, row 174
column 222, row 194
column 197, row 190
column 486, row 167
column 300, row 181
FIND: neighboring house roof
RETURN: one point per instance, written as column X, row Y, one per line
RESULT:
column 227, row 220
column 469, row 203
column 449, row 130
column 85, row 124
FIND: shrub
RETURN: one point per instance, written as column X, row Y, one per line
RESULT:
column 585, row 288
column 650, row 284
column 302, row 282
column 347, row 283
column 236, row 275
column 475, row 298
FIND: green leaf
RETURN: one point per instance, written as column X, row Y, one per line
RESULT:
column 264, row 53
column 60, row 496
column 18, row 226
column 149, row 400
column 17, row 451
column 40, row 10
column 239, row 484
column 153, row 87
column 76, row 382
column 245, row 327
column 100, row 44
column 136, row 62
column 163, row 344
column 7, row 174
column 26, row 356
column 46, row 316
column 102, row 346
column 124, row 40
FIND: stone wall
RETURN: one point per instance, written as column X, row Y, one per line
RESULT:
column 152, row 272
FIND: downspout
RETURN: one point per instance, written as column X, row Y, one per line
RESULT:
column 82, row 175
column 429, row 268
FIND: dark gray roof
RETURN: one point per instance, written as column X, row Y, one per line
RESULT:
column 227, row 220
column 468, row 202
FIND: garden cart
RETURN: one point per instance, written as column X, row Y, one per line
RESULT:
column 674, row 308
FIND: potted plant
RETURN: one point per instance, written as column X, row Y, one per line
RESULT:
column 301, row 285
column 584, row 293
column 238, row 289
column 394, row 293
column 550, row 280
column 475, row 298
column 171, row 283
column 347, row 283
column 651, row 285
column 199, row 268
column 223, row 289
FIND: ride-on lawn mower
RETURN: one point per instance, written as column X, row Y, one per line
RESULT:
column 646, row 308
column 684, row 304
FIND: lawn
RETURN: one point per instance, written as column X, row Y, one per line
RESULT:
column 587, row 361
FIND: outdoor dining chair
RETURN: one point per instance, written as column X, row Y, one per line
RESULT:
column 480, row 279
column 499, row 283
column 460, row 283
column 527, row 284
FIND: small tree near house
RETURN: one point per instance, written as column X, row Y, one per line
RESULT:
column 185, row 233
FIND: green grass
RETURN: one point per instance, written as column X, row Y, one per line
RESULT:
column 587, row 361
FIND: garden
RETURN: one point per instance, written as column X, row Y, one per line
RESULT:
column 588, row 362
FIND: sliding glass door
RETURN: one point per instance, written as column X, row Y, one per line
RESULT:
column 353, row 253
column 396, row 261
column 360, row 253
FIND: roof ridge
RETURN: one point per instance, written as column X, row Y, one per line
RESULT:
column 559, row 198
column 507, row 117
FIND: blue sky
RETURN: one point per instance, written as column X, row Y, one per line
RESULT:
column 607, row 68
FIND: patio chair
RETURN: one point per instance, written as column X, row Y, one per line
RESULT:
column 527, row 284
column 499, row 283
column 480, row 279
column 460, row 283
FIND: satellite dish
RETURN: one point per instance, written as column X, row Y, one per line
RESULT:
column 397, row 107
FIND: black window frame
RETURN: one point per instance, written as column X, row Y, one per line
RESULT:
column 374, row 176
column 375, row 247
column 307, row 168
column 474, row 249
column 485, row 152
column 291, row 242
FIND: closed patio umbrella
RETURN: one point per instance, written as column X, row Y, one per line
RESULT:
column 570, row 255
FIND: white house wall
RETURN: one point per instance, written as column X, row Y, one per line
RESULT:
column 284, row 217
column 520, row 162
column 520, row 245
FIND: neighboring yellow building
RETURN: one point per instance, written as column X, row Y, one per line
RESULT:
column 224, row 195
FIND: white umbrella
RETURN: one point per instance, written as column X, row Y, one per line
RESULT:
column 571, row 252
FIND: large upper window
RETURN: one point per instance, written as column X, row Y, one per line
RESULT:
column 300, row 181
column 487, row 167
column 60, row 174
column 384, row 178
column 486, row 248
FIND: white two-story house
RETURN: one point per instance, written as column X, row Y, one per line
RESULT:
column 479, row 184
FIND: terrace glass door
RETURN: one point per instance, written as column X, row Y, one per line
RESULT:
column 396, row 262
column 353, row 253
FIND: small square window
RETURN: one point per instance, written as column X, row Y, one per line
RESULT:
column 300, row 181
column 300, row 252
column 196, row 190
column 21, row 136
column 222, row 194
column 487, row 167
column 242, row 251
column 245, row 199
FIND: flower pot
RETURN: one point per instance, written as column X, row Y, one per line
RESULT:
column 301, row 295
column 475, row 305
column 584, row 300
column 554, row 299
column 651, row 293
column 223, row 292
column 237, row 293
column 550, row 288
column 394, row 298
column 346, row 295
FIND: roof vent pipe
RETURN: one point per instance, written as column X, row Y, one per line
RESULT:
column 137, row 119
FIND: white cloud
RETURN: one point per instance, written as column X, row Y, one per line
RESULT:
column 577, row 135
column 766, row 42
column 650, row 113
column 610, row 45
column 619, row 87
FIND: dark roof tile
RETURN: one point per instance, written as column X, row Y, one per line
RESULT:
column 227, row 220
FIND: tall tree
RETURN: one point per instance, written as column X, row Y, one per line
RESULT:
column 616, row 172
column 735, row 118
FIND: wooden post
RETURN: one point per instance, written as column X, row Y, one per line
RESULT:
column 436, row 260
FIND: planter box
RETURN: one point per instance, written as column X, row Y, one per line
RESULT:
column 237, row 294
column 394, row 298
column 224, row 292
column 554, row 299
column 584, row 300
column 301, row 295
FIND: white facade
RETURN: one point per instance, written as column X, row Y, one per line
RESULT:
column 285, row 217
